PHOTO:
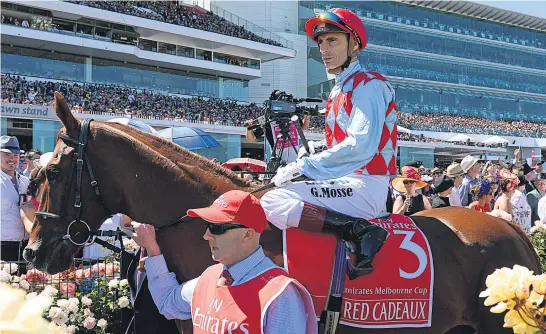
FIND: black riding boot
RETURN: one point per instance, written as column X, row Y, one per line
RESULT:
column 367, row 237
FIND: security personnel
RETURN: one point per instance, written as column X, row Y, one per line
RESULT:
column 246, row 292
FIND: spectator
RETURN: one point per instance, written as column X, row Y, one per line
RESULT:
column 495, row 189
column 443, row 186
column 509, row 184
column 455, row 172
column 14, row 186
column 471, row 167
column 32, row 157
column 521, row 211
column 408, row 183
column 534, row 196
column 482, row 191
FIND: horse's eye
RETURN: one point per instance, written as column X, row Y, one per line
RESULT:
column 52, row 173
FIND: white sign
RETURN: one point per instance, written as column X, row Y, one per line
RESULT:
column 28, row 111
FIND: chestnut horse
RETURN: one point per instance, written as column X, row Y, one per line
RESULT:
column 155, row 181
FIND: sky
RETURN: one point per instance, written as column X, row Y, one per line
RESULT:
column 535, row 8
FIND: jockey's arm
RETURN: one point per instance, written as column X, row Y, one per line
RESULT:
column 370, row 103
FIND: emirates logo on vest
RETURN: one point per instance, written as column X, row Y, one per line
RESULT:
column 209, row 322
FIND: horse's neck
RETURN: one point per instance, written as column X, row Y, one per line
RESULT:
column 169, row 181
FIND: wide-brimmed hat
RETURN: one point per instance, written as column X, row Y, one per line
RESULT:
column 468, row 162
column 522, row 181
column 527, row 169
column 454, row 170
column 408, row 174
column 412, row 164
column 9, row 144
column 443, row 183
column 435, row 170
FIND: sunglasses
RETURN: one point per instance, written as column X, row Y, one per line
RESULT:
column 218, row 229
column 409, row 182
column 334, row 18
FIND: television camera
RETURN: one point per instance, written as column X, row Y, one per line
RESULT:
column 281, row 109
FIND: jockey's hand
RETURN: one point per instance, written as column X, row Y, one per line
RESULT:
column 286, row 174
column 302, row 152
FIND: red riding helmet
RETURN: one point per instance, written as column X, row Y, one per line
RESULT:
column 344, row 19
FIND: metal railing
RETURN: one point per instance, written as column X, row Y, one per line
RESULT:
column 251, row 27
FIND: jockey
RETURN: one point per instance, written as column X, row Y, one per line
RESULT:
column 351, row 177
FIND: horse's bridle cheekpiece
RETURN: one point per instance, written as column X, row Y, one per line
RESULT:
column 86, row 236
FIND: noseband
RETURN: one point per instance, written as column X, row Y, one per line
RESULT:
column 85, row 236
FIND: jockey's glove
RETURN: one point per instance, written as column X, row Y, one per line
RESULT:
column 314, row 147
column 286, row 174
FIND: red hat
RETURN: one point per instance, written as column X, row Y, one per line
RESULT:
column 344, row 19
column 235, row 206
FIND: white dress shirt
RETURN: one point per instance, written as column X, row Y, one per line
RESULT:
column 455, row 197
column 12, row 225
column 542, row 209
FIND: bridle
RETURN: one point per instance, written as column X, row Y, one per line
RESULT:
column 86, row 236
column 83, row 237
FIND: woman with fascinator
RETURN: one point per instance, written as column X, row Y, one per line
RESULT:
column 483, row 192
column 408, row 183
column 509, row 187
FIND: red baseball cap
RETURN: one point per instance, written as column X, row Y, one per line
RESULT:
column 235, row 206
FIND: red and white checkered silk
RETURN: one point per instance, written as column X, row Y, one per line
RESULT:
column 340, row 109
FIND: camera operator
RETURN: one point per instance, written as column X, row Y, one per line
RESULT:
column 264, row 125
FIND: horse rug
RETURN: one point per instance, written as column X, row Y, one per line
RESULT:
column 398, row 293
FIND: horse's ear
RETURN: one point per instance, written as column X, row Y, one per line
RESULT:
column 65, row 114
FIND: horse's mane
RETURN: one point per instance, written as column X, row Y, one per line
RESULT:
column 182, row 158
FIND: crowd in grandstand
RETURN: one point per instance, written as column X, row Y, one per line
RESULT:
column 465, row 124
column 452, row 73
column 393, row 15
column 172, row 12
column 147, row 103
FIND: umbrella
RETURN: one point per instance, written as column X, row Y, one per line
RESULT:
column 190, row 138
column 140, row 125
column 461, row 137
column 242, row 163
column 495, row 140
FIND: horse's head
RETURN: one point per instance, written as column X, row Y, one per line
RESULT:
column 70, row 208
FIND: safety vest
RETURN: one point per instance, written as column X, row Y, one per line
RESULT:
column 342, row 102
column 241, row 308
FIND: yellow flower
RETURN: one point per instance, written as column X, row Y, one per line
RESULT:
column 502, row 306
column 23, row 316
column 522, row 292
column 539, row 283
column 534, row 300
column 523, row 328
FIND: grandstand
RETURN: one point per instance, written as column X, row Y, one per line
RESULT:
column 173, row 62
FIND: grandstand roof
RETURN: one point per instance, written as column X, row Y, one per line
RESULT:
column 483, row 12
